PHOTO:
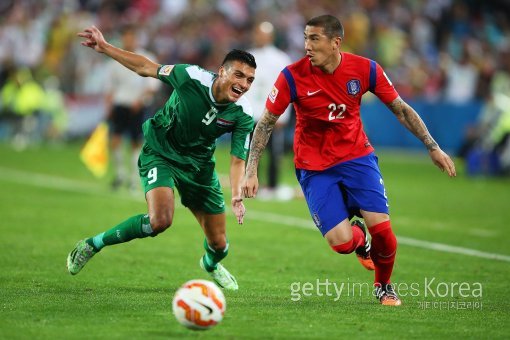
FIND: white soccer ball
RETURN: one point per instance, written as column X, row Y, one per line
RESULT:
column 199, row 304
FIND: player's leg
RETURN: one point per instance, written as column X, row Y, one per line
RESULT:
column 136, row 140
column 329, row 212
column 216, row 248
column 204, row 197
column 157, row 179
column 117, row 124
column 365, row 191
column 384, row 249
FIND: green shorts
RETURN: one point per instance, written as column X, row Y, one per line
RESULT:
column 200, row 190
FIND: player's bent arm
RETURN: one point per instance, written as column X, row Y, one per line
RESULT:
column 408, row 117
column 94, row 39
column 135, row 62
column 412, row 121
column 259, row 141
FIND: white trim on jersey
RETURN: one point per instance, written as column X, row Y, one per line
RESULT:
column 206, row 78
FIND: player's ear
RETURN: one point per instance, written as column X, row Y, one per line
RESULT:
column 337, row 42
column 222, row 70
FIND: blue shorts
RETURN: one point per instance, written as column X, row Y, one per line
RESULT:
column 341, row 191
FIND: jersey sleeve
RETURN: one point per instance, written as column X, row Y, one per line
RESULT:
column 279, row 97
column 383, row 89
column 174, row 76
column 240, row 142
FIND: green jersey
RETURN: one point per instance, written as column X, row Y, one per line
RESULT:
column 185, row 129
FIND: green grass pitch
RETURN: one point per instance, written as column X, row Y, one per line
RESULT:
column 283, row 266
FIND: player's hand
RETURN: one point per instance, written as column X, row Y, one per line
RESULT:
column 93, row 39
column 250, row 186
column 238, row 208
column 443, row 162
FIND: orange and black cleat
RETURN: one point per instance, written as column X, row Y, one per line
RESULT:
column 386, row 295
column 363, row 252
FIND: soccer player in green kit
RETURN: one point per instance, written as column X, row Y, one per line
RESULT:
column 178, row 152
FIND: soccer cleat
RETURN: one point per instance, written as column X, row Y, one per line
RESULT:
column 363, row 252
column 79, row 256
column 386, row 295
column 221, row 276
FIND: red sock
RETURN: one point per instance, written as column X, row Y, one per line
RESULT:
column 384, row 248
column 358, row 239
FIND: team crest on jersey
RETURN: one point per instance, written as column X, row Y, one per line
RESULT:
column 273, row 94
column 165, row 70
column 353, row 87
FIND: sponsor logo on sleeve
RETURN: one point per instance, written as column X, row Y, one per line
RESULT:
column 165, row 70
column 273, row 94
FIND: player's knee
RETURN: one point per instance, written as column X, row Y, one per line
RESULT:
column 160, row 223
column 338, row 240
column 218, row 244
column 344, row 247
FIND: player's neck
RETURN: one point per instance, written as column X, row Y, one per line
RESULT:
column 216, row 92
column 332, row 64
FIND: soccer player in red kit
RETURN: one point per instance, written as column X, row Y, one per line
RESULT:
column 335, row 162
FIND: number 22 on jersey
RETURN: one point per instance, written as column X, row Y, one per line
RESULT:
column 336, row 111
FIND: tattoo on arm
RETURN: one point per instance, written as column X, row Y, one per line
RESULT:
column 408, row 117
column 261, row 135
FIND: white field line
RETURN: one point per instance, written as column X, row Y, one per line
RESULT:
column 60, row 183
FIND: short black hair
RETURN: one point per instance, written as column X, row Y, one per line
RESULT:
column 240, row 55
column 331, row 25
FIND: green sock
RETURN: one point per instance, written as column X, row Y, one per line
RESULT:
column 134, row 227
column 213, row 257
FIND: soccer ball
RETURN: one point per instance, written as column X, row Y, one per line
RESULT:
column 199, row 304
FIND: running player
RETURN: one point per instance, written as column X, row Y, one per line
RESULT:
column 335, row 162
column 178, row 152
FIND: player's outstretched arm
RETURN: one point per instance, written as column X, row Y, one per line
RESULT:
column 261, row 135
column 408, row 117
column 94, row 39
column 236, row 176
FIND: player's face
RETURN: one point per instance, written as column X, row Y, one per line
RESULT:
column 320, row 49
column 234, row 79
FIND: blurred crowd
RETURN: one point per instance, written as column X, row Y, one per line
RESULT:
column 436, row 50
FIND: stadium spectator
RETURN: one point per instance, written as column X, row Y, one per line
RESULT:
column 128, row 96
column 271, row 61
column 22, row 106
column 486, row 147
column 178, row 152
column 335, row 162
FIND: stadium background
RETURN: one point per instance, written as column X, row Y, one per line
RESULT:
column 442, row 55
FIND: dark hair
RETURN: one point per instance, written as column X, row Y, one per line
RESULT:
column 331, row 25
column 240, row 55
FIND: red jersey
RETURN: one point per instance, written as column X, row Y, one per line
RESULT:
column 328, row 123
